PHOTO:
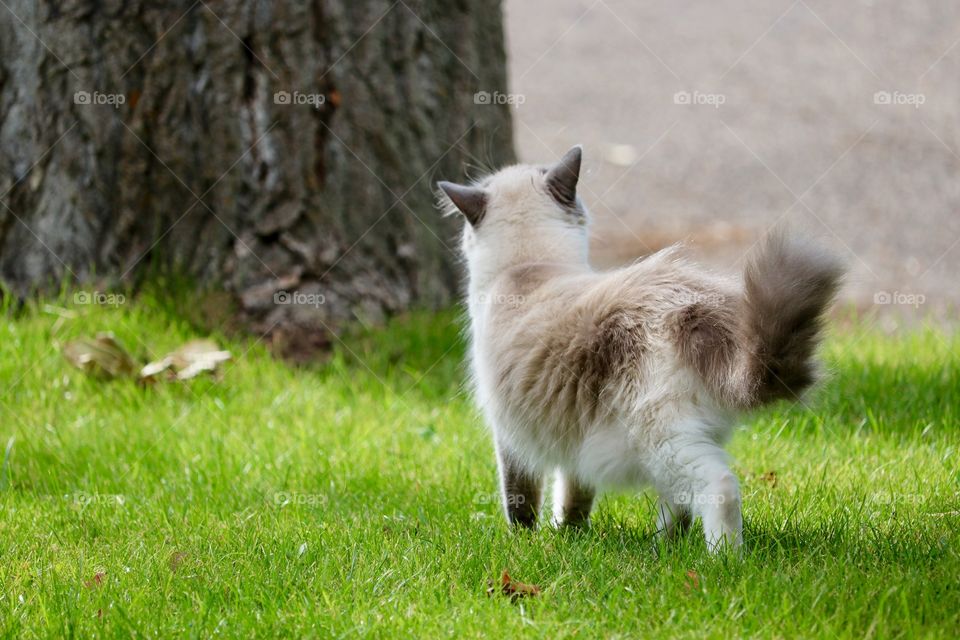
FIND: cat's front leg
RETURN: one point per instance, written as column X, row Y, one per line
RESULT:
column 520, row 489
column 572, row 501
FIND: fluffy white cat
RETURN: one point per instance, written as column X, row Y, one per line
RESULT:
column 629, row 377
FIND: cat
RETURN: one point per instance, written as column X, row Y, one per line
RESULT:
column 628, row 377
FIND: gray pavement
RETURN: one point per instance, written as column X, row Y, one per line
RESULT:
column 712, row 121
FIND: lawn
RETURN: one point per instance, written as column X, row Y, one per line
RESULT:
column 357, row 497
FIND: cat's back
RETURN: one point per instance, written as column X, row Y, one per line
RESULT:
column 552, row 325
column 561, row 338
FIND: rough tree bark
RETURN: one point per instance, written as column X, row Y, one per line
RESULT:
column 259, row 146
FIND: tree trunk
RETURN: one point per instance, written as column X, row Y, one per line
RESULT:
column 265, row 148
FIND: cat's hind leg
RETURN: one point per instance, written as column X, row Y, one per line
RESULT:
column 521, row 490
column 572, row 501
column 673, row 518
column 719, row 508
column 695, row 474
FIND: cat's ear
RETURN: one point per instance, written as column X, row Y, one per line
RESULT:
column 562, row 177
column 471, row 201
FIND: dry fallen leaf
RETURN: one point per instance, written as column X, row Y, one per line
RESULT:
column 176, row 560
column 511, row 588
column 693, row 581
column 770, row 477
column 152, row 370
column 190, row 360
column 102, row 356
column 96, row 581
column 198, row 351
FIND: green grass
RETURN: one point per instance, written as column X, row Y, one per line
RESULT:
column 357, row 497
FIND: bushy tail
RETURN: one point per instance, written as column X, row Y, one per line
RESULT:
column 788, row 285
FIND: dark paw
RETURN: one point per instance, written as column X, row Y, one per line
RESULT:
column 522, row 517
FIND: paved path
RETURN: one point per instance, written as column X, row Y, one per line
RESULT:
column 712, row 121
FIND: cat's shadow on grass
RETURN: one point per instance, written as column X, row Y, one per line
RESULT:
column 851, row 543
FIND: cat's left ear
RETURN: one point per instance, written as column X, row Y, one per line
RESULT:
column 471, row 201
column 562, row 178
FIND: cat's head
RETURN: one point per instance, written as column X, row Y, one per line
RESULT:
column 522, row 213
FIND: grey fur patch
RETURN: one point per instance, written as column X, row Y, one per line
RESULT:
column 706, row 339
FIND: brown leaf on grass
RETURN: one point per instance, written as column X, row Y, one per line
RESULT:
column 176, row 560
column 770, row 477
column 190, row 360
column 511, row 588
column 198, row 351
column 96, row 580
column 157, row 370
column 692, row 582
column 102, row 356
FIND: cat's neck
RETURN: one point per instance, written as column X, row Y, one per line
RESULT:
column 524, row 272
column 518, row 281
column 486, row 268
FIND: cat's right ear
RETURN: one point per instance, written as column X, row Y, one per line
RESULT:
column 470, row 201
column 562, row 178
